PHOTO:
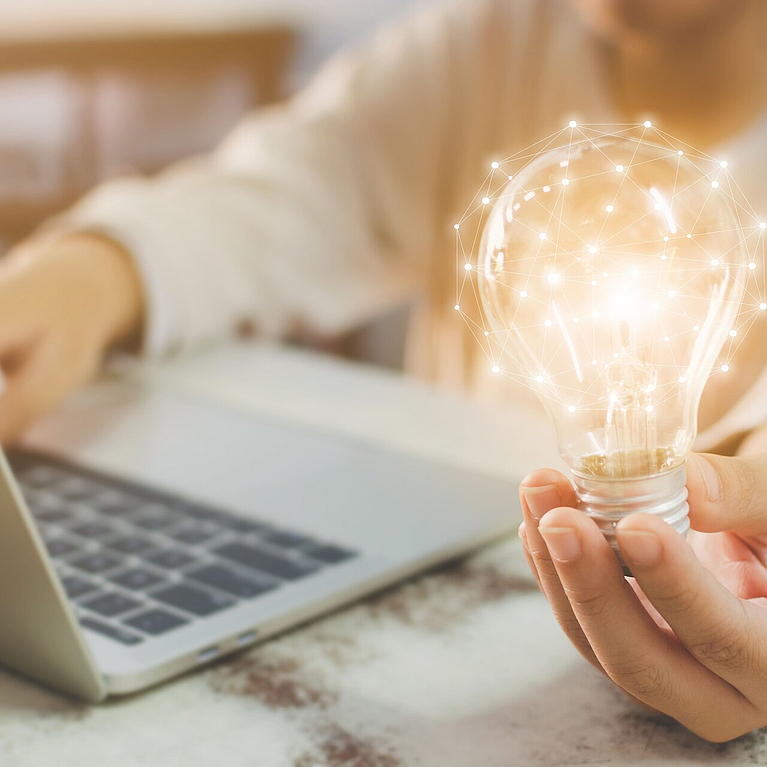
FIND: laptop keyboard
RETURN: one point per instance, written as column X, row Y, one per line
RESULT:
column 138, row 563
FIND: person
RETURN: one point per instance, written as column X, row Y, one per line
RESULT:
column 319, row 214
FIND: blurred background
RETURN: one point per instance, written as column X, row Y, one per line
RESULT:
column 91, row 89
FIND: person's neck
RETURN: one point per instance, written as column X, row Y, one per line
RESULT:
column 702, row 88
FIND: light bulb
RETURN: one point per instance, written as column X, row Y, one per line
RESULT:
column 622, row 385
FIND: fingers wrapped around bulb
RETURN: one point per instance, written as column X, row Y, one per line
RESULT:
column 686, row 675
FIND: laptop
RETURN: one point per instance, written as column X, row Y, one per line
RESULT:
column 188, row 528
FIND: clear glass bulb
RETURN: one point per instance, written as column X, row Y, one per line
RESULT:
column 611, row 272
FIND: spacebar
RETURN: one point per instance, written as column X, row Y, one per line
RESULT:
column 287, row 569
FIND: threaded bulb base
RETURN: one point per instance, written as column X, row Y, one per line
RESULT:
column 607, row 501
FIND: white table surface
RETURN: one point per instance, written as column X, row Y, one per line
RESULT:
column 463, row 667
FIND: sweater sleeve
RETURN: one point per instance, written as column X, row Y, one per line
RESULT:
column 315, row 214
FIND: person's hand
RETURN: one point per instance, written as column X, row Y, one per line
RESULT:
column 62, row 305
column 688, row 637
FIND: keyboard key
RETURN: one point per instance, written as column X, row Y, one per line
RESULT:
column 76, row 587
column 114, row 504
column 130, row 544
column 113, row 632
column 241, row 525
column 287, row 540
column 51, row 516
column 136, row 579
column 328, row 554
column 155, row 521
column 170, row 559
column 41, row 476
column 203, row 513
column 75, row 488
column 58, row 547
column 155, row 622
column 192, row 600
column 96, row 563
column 93, row 530
column 272, row 564
column 111, row 604
column 228, row 580
column 194, row 535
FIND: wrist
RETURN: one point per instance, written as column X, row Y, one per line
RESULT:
column 108, row 280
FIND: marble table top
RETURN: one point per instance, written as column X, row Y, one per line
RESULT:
column 461, row 667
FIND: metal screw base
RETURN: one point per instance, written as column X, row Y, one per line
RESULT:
column 607, row 501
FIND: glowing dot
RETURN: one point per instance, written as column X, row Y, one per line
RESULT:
column 671, row 293
column 496, row 369
column 575, row 320
column 571, row 409
column 695, row 327
column 714, row 262
column 665, row 239
column 457, row 307
column 495, row 165
column 651, row 388
column 539, row 379
column 665, row 338
column 486, row 333
column 523, row 294
column 619, row 168
column 593, row 282
column 595, row 314
column 565, row 181
column 467, row 267
column 763, row 306
column 689, row 236
column 681, row 379
column 733, row 333
column 456, row 226
column 723, row 164
column 547, row 188
column 657, row 206
column 609, row 208
column 593, row 249
column 485, row 200
column 763, row 225
column 725, row 368
column 553, row 277
column 663, row 257
column 648, row 408
column 511, row 178
column 715, row 184
column 593, row 362
column 604, row 274
column 752, row 266
column 647, row 124
column 547, row 323
column 680, row 152
column 542, row 236
column 572, row 124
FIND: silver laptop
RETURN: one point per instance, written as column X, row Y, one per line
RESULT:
column 194, row 529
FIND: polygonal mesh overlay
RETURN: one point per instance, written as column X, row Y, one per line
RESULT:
column 606, row 267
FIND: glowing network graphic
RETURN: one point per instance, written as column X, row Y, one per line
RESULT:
column 606, row 267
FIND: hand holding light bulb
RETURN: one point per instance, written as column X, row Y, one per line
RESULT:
column 612, row 273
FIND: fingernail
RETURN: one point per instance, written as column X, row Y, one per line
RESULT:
column 541, row 499
column 642, row 547
column 710, row 477
column 521, row 531
column 563, row 543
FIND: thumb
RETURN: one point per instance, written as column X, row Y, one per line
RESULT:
column 727, row 493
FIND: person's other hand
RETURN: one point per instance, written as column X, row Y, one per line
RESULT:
column 62, row 305
column 688, row 637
